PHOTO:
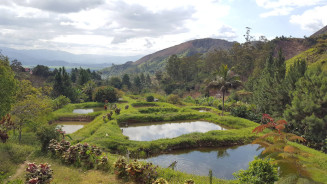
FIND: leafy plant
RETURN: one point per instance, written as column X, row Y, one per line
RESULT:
column 142, row 173
column 120, row 168
column 38, row 174
column 259, row 172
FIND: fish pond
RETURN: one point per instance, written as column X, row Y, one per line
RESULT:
column 71, row 126
column 88, row 110
column 154, row 131
column 222, row 161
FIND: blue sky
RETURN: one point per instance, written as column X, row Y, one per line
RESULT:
column 140, row 27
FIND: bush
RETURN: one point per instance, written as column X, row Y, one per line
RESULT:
column 45, row 134
column 60, row 101
column 104, row 93
column 174, row 99
column 239, row 111
column 259, row 172
column 40, row 174
column 150, row 98
column 144, row 173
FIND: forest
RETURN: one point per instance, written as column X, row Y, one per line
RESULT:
column 251, row 90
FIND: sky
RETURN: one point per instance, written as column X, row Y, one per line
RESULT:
column 140, row 27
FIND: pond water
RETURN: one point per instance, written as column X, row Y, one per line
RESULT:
column 86, row 111
column 153, row 131
column 222, row 161
column 71, row 126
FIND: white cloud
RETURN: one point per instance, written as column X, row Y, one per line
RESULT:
column 311, row 20
column 283, row 7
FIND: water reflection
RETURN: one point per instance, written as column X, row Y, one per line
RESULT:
column 146, row 132
column 222, row 161
column 71, row 126
column 86, row 111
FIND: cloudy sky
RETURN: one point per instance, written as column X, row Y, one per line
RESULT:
column 139, row 27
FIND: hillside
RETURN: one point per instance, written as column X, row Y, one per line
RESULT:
column 156, row 61
column 291, row 46
column 320, row 32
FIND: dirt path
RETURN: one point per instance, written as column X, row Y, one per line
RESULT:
column 21, row 169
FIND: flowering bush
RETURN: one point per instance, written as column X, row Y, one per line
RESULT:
column 38, row 174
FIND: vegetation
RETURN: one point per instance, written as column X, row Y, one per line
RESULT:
column 225, row 81
column 259, row 172
column 8, row 86
column 293, row 89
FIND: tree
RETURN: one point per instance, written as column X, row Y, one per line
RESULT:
column 172, row 67
column 115, row 82
column 103, row 93
column 17, row 66
column 307, row 112
column 88, row 89
column 8, row 86
column 137, row 84
column 41, row 70
column 270, row 91
column 63, row 85
column 126, row 81
column 225, row 80
column 276, row 145
column 83, row 76
column 30, row 108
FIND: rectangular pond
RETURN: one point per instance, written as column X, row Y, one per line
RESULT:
column 154, row 131
column 70, row 126
column 222, row 161
column 88, row 110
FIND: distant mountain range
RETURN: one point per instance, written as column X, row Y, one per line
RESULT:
column 61, row 58
column 156, row 61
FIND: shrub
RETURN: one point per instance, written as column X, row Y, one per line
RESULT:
column 259, row 172
column 144, row 173
column 60, row 101
column 150, row 98
column 40, row 174
column 104, row 93
column 174, row 99
column 45, row 134
column 120, row 168
column 239, row 111
column 80, row 154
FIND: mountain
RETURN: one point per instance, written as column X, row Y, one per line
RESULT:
column 156, row 61
column 320, row 32
column 61, row 58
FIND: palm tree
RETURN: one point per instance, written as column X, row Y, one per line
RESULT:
column 225, row 80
